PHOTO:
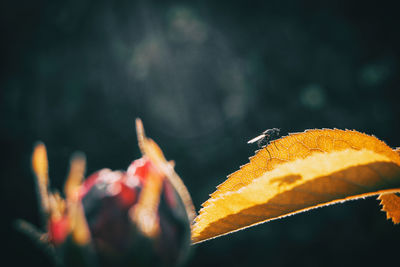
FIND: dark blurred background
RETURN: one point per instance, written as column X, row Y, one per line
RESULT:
column 205, row 77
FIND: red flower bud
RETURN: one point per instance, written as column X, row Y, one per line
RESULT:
column 138, row 217
column 111, row 202
column 58, row 230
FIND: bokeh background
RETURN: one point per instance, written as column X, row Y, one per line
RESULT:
column 205, row 77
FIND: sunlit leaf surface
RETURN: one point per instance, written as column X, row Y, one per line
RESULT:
column 297, row 173
column 391, row 205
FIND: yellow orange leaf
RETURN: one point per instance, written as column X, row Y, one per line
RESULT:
column 299, row 172
column 391, row 205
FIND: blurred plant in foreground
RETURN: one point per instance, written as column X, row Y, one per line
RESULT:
column 138, row 217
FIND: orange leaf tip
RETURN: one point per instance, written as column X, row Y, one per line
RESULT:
column 40, row 163
column 75, row 176
column 151, row 150
column 391, row 205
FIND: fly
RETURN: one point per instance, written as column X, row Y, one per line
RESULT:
column 266, row 137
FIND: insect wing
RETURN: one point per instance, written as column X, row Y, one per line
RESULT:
column 255, row 139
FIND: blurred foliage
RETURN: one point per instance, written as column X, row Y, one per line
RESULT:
column 205, row 77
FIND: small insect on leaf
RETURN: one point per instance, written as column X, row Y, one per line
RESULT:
column 309, row 170
column 266, row 136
